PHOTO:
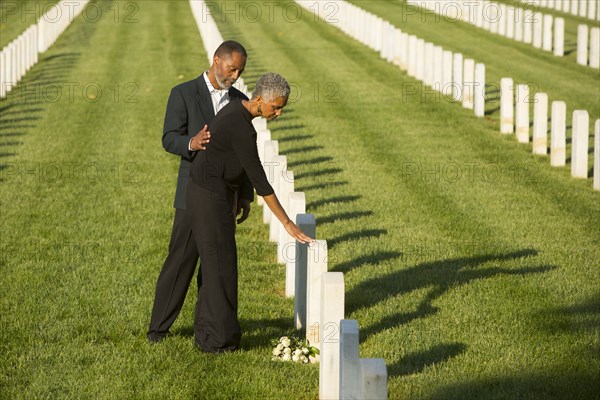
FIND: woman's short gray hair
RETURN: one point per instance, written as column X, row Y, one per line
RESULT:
column 270, row 86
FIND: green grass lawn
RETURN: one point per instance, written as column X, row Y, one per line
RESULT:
column 471, row 266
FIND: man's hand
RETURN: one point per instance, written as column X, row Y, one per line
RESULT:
column 243, row 206
column 200, row 141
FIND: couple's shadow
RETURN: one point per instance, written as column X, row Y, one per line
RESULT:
column 440, row 276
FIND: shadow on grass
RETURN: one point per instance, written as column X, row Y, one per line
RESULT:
column 311, row 161
column 344, row 216
column 373, row 259
column 416, row 362
column 305, row 149
column 362, row 234
column 582, row 317
column 526, row 385
column 330, row 200
column 439, row 275
column 319, row 172
column 290, row 138
column 321, row 185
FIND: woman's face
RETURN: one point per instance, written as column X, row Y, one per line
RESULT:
column 274, row 108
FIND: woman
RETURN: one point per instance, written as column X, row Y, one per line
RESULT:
column 215, row 176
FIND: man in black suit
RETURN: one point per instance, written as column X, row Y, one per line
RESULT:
column 190, row 109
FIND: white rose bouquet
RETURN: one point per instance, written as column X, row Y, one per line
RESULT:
column 292, row 349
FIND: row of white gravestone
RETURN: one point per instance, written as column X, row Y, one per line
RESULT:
column 318, row 294
column 22, row 53
column 593, row 34
column 514, row 117
column 439, row 69
column 523, row 25
column 423, row 60
column 582, row 8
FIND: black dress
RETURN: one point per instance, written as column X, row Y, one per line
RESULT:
column 216, row 174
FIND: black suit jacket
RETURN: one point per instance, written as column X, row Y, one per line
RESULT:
column 189, row 108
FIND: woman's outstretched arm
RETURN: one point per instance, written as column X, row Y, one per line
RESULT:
column 289, row 225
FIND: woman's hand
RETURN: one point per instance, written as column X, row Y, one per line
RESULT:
column 297, row 233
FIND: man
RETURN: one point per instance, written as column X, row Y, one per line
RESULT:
column 190, row 109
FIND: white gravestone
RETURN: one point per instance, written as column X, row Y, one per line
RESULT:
column 420, row 63
column 558, row 4
column 592, row 10
column 316, row 266
column 493, row 13
column 579, row 145
column 507, row 119
column 438, row 62
column 262, row 136
column 559, row 37
column 373, row 378
column 404, row 51
column 510, row 22
column 297, row 201
column 447, row 73
column 522, row 114
column 412, row 55
column 595, row 48
column 597, row 155
column 307, row 223
column 468, row 83
column 547, row 39
column 574, row 7
column 540, row 124
column 279, row 166
column 502, row 13
column 582, row 44
column 332, row 312
column 271, row 151
column 259, row 123
column 558, row 141
column 457, row 77
column 519, row 16
column 428, row 78
column 528, row 21
column 349, row 360
column 3, row 71
column 398, row 43
column 537, row 30
column 286, row 186
column 583, row 7
column 479, row 90
column 485, row 16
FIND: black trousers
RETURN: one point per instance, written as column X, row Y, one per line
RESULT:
column 175, row 276
column 216, row 325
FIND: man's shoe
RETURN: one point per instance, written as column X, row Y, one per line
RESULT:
column 154, row 338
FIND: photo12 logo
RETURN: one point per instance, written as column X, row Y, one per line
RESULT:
column 268, row 11
column 89, row 92
column 51, row 12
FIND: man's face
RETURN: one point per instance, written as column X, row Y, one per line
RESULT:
column 274, row 108
column 228, row 69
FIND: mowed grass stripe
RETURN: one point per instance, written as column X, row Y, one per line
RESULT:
column 81, row 253
column 413, row 245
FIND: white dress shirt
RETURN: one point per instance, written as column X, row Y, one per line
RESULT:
column 219, row 98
